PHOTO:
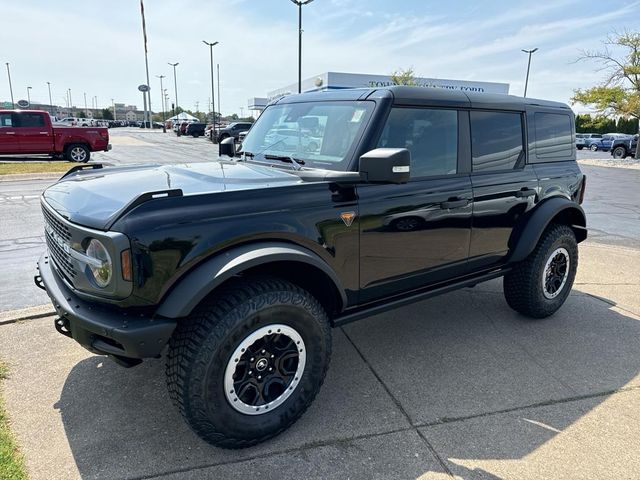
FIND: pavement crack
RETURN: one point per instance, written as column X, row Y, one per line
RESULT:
column 560, row 401
column 399, row 406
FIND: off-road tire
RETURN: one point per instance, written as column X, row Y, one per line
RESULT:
column 619, row 153
column 73, row 153
column 204, row 343
column 523, row 288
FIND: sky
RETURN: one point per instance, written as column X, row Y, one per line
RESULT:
column 97, row 48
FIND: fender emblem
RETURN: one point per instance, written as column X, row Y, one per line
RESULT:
column 348, row 218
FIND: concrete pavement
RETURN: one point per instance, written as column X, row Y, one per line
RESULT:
column 458, row 385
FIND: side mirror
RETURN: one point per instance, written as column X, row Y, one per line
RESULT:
column 386, row 165
column 228, row 147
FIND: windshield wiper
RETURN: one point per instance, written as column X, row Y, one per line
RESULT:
column 297, row 163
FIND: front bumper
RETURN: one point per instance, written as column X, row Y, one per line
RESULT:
column 99, row 328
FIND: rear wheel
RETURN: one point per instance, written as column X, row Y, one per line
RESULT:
column 249, row 361
column 619, row 153
column 538, row 286
column 77, row 153
column 579, row 147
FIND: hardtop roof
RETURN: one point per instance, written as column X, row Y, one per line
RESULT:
column 405, row 95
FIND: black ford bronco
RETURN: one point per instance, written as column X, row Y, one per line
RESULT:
column 237, row 269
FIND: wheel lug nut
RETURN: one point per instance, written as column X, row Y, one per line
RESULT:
column 263, row 351
column 259, row 377
column 250, row 372
column 272, row 356
column 252, row 359
column 270, row 368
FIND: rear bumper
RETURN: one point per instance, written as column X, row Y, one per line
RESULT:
column 101, row 329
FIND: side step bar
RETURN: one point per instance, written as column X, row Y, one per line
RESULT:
column 376, row 308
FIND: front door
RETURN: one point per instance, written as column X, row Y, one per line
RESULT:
column 416, row 234
column 8, row 139
column 33, row 134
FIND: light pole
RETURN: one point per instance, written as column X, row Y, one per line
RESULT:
column 526, row 82
column 300, row 3
column 29, row 95
column 50, row 102
column 147, row 114
column 70, row 101
column 213, row 100
column 13, row 105
column 114, row 109
column 85, row 104
column 175, row 86
column 219, row 97
column 162, row 93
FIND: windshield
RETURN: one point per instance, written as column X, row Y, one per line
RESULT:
column 317, row 134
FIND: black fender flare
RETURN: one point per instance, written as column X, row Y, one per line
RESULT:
column 193, row 287
column 524, row 240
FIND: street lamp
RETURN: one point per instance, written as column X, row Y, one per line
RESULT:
column 13, row 105
column 85, row 104
column 526, row 82
column 114, row 110
column 300, row 3
column 175, row 85
column 162, row 93
column 29, row 95
column 50, row 102
column 213, row 100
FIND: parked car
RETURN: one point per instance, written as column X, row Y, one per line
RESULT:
column 233, row 130
column 31, row 131
column 603, row 144
column 624, row 147
column 292, row 140
column 239, row 269
column 589, row 138
column 580, row 141
column 195, row 129
column 77, row 122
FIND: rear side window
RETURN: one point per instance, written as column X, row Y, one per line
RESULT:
column 32, row 120
column 496, row 140
column 5, row 120
column 430, row 135
column 553, row 135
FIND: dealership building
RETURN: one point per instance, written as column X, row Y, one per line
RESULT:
column 341, row 80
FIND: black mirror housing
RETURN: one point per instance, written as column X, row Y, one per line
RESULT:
column 227, row 147
column 386, row 165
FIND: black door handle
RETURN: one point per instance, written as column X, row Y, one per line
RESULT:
column 525, row 192
column 455, row 202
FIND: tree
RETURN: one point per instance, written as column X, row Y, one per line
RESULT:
column 107, row 114
column 619, row 93
column 404, row 77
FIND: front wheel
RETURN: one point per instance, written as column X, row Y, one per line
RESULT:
column 249, row 361
column 593, row 148
column 538, row 286
column 77, row 153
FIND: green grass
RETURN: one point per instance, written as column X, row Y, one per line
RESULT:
column 11, row 461
column 35, row 167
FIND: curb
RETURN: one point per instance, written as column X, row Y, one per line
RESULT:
column 14, row 177
column 29, row 313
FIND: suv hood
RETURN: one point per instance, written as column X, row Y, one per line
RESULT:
column 95, row 197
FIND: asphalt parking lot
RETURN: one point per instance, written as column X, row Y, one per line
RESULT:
column 458, row 386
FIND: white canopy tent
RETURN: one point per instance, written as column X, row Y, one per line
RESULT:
column 183, row 116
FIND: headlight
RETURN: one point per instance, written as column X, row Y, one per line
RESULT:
column 103, row 268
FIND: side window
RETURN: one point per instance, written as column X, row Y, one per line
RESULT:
column 30, row 120
column 430, row 135
column 496, row 140
column 553, row 135
column 5, row 120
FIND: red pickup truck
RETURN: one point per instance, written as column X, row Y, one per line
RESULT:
column 31, row 131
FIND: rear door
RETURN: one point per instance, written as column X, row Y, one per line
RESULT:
column 34, row 136
column 504, row 186
column 8, row 138
column 417, row 234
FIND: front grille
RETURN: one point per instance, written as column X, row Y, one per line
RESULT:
column 58, row 236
